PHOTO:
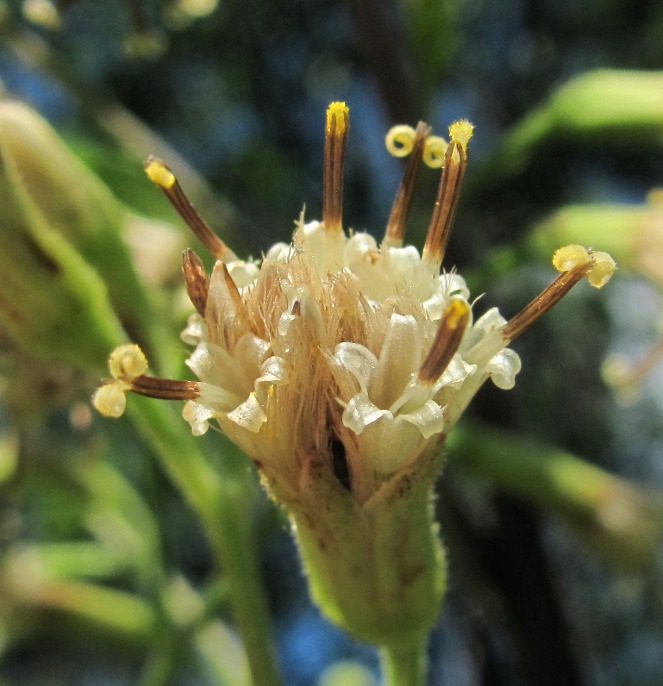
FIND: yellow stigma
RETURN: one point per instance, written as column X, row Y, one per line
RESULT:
column 127, row 362
column 338, row 117
column 434, row 151
column 400, row 140
column 570, row 257
column 159, row 173
column 599, row 266
column 460, row 132
column 602, row 269
column 110, row 400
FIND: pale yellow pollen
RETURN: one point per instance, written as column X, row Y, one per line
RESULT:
column 159, row 173
column 110, row 400
column 127, row 362
column 338, row 116
column 461, row 131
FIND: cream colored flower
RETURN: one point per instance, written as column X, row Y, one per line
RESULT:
column 338, row 349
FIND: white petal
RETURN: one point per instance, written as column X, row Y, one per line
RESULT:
column 218, row 399
column 358, row 246
column 454, row 284
column 456, row 372
column 249, row 415
column 198, row 416
column 214, row 365
column 358, row 360
column 274, row 370
column 360, row 412
column 491, row 320
column 243, row 273
column 390, row 444
column 250, row 351
column 503, row 369
column 399, row 358
column 429, row 418
column 196, row 330
column 279, row 252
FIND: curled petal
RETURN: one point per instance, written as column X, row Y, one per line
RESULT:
column 198, row 416
column 250, row 415
column 196, row 330
column 503, row 369
column 274, row 370
column 428, row 418
column 243, row 273
column 456, row 372
column 359, row 361
column 360, row 412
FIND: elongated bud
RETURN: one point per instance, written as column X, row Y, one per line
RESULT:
column 448, row 196
column 195, row 280
column 336, row 136
column 454, row 321
column 161, row 175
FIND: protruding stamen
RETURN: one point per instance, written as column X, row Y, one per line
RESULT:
column 574, row 262
column 127, row 365
column 195, row 280
column 455, row 318
column 396, row 225
column 160, row 174
column 336, row 135
column 446, row 203
column 165, row 389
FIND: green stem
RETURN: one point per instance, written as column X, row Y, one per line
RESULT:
column 405, row 665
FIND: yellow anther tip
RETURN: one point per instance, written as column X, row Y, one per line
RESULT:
column 338, row 118
column 127, row 362
column 110, row 400
column 569, row 257
column 602, row 269
column 461, row 131
column 456, row 313
column 159, row 173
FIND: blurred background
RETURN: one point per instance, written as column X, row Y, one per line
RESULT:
column 116, row 566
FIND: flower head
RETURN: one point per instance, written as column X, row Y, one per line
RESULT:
column 335, row 348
